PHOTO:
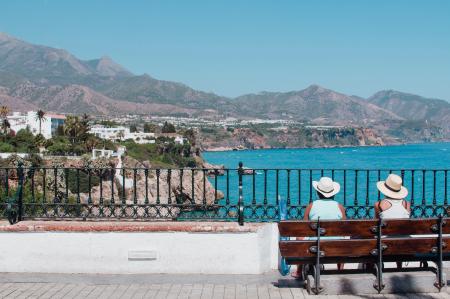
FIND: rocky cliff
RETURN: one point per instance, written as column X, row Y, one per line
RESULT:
column 300, row 137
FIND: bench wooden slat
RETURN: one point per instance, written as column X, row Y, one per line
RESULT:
column 413, row 226
column 303, row 228
column 361, row 247
column 361, row 228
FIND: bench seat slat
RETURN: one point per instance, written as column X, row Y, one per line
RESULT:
column 361, row 247
column 365, row 259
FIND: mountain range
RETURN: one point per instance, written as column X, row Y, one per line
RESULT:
column 35, row 76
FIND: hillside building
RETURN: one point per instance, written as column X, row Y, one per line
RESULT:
column 48, row 127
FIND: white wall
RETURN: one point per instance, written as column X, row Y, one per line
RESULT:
column 176, row 252
column 33, row 123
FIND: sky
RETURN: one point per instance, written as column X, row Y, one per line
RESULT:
column 238, row 47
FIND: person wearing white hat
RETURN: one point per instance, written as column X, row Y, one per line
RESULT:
column 394, row 206
column 324, row 207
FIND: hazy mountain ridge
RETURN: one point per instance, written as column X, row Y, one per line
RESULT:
column 36, row 68
column 313, row 103
column 34, row 76
column 414, row 107
column 42, row 62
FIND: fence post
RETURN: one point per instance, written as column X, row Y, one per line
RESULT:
column 20, row 191
column 240, row 203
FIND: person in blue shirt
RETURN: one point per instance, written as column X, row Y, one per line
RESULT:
column 324, row 207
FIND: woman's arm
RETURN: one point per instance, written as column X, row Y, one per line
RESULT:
column 377, row 209
column 341, row 207
column 308, row 209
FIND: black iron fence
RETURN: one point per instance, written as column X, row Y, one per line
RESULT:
column 241, row 194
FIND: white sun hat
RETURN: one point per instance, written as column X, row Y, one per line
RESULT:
column 393, row 187
column 326, row 187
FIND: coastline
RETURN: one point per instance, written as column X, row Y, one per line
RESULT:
column 230, row 149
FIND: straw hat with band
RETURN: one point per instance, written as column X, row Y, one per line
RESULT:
column 326, row 187
column 392, row 187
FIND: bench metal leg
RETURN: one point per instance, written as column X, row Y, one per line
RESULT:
column 317, row 289
column 379, row 285
column 440, row 283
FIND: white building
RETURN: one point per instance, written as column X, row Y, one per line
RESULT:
column 179, row 140
column 48, row 126
column 18, row 121
column 104, row 153
column 142, row 138
column 122, row 133
column 115, row 133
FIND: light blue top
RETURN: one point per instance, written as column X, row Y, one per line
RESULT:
column 325, row 209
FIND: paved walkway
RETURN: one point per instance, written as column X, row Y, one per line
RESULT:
column 159, row 286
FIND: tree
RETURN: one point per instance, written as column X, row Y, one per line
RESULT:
column 190, row 136
column 120, row 135
column 168, row 128
column 24, row 142
column 72, row 128
column 40, row 116
column 4, row 110
column 6, row 148
column 150, row 128
column 84, row 128
column 133, row 128
column 5, row 126
column 39, row 141
column 91, row 143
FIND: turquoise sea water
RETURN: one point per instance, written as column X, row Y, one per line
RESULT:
column 357, row 187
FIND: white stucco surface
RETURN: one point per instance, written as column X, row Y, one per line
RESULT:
column 140, row 252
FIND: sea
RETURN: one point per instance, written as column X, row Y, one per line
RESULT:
column 288, row 173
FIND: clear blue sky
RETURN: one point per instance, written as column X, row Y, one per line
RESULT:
column 236, row 47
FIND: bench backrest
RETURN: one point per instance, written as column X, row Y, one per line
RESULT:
column 361, row 237
column 361, row 228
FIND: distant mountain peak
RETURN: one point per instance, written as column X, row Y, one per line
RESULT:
column 5, row 36
column 106, row 66
column 315, row 89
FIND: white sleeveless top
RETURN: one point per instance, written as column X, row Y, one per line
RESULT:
column 396, row 211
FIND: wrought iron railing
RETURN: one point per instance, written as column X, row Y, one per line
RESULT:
column 241, row 194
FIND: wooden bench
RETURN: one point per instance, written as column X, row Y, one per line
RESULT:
column 366, row 241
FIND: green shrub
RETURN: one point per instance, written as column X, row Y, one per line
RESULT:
column 83, row 179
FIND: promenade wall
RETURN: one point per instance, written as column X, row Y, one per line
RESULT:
column 138, row 247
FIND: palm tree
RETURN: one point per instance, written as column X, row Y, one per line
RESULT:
column 91, row 143
column 120, row 135
column 72, row 128
column 84, row 127
column 40, row 116
column 39, row 141
column 4, row 110
column 5, row 125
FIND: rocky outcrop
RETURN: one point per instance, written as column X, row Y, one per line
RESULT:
column 148, row 185
column 160, row 186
